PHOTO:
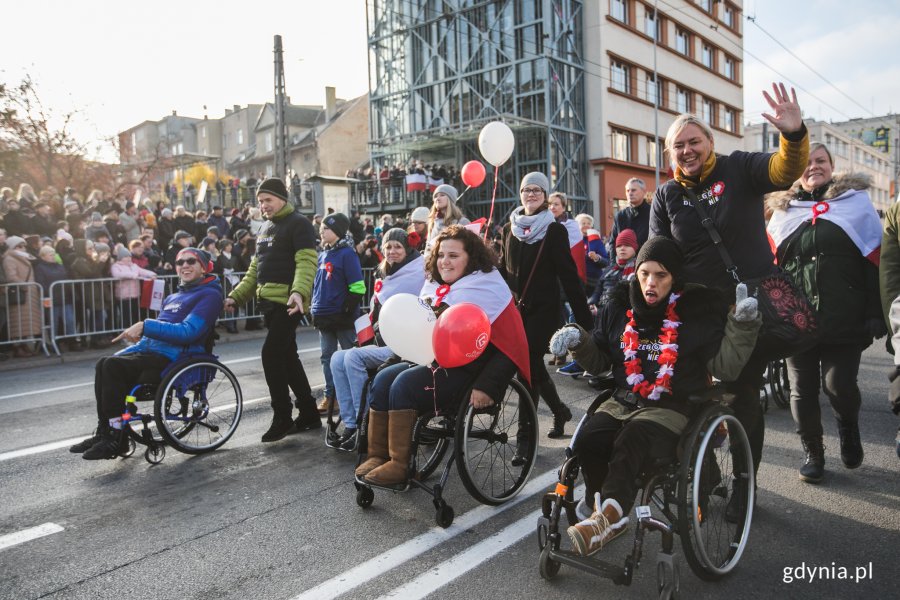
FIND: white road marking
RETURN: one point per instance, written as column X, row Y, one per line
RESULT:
column 26, row 535
column 439, row 576
column 396, row 556
column 72, row 441
column 88, row 383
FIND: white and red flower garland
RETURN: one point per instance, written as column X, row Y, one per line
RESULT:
column 668, row 356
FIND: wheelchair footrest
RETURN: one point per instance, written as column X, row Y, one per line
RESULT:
column 591, row 565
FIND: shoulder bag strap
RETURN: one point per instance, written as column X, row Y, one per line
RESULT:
column 521, row 301
column 710, row 227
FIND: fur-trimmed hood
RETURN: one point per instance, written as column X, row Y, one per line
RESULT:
column 839, row 184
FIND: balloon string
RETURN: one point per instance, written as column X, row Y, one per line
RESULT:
column 433, row 388
column 468, row 187
column 487, row 226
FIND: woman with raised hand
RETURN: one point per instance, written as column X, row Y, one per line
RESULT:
column 730, row 189
column 828, row 239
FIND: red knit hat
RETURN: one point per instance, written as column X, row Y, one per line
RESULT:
column 627, row 238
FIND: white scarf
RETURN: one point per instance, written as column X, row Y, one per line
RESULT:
column 852, row 211
column 489, row 291
column 407, row 280
column 530, row 229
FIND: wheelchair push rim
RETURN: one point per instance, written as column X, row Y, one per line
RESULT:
column 720, row 456
column 488, row 439
column 198, row 407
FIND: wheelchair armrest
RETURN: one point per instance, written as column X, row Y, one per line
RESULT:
column 600, row 399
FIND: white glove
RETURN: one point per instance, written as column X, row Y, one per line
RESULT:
column 745, row 309
column 565, row 339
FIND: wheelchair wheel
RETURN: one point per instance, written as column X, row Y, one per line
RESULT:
column 432, row 436
column 198, row 407
column 776, row 373
column 488, row 439
column 716, row 461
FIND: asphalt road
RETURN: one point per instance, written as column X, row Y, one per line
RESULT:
column 280, row 520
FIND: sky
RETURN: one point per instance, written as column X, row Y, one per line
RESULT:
column 121, row 63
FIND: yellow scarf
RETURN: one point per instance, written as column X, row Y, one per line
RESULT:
column 690, row 182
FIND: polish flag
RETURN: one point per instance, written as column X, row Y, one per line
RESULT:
column 365, row 333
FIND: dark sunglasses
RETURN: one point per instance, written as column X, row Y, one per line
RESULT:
column 186, row 261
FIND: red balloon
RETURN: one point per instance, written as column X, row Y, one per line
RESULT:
column 473, row 173
column 461, row 334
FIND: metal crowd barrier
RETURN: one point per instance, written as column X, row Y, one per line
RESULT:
column 21, row 316
column 90, row 311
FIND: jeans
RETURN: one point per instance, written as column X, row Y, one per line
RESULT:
column 348, row 368
column 836, row 366
column 328, row 342
column 404, row 387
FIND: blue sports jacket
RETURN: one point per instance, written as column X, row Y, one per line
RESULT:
column 183, row 324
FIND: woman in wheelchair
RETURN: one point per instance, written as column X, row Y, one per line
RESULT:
column 181, row 328
column 461, row 268
column 401, row 272
column 662, row 338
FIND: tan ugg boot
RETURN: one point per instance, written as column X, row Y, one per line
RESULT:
column 400, row 427
column 377, row 453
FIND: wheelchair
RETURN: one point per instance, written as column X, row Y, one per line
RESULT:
column 484, row 442
column 777, row 378
column 197, row 406
column 689, row 493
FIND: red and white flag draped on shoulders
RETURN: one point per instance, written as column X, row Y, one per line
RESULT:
column 490, row 292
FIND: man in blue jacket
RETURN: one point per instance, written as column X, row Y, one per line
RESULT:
column 181, row 329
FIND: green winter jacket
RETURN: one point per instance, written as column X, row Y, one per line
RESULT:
column 889, row 268
column 285, row 261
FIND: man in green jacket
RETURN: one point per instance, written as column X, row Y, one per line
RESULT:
column 281, row 277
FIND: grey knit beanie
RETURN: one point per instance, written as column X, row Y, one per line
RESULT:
column 446, row 189
column 395, row 234
column 538, row 179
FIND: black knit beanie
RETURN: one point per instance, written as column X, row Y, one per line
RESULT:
column 396, row 234
column 667, row 253
column 273, row 186
column 338, row 223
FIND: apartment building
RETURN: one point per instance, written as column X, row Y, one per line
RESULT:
column 680, row 56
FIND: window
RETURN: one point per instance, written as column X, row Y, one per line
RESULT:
column 706, row 5
column 707, row 112
column 652, row 26
column 728, row 16
column 618, row 10
column 729, row 68
column 707, row 56
column 651, row 155
column 682, row 100
column 654, row 90
column 729, row 120
column 776, row 140
column 620, row 77
column 621, row 145
column 133, row 144
column 203, row 132
column 268, row 142
column 240, row 136
column 682, row 42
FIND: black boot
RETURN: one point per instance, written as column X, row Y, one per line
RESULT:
column 279, row 428
column 813, row 469
column 85, row 444
column 851, row 446
column 106, row 447
column 561, row 412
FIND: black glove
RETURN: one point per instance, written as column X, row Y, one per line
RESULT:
column 894, row 391
column 875, row 327
column 351, row 303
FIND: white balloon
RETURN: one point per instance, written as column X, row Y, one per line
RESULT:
column 496, row 142
column 406, row 324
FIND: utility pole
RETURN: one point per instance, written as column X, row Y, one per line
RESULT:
column 281, row 139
